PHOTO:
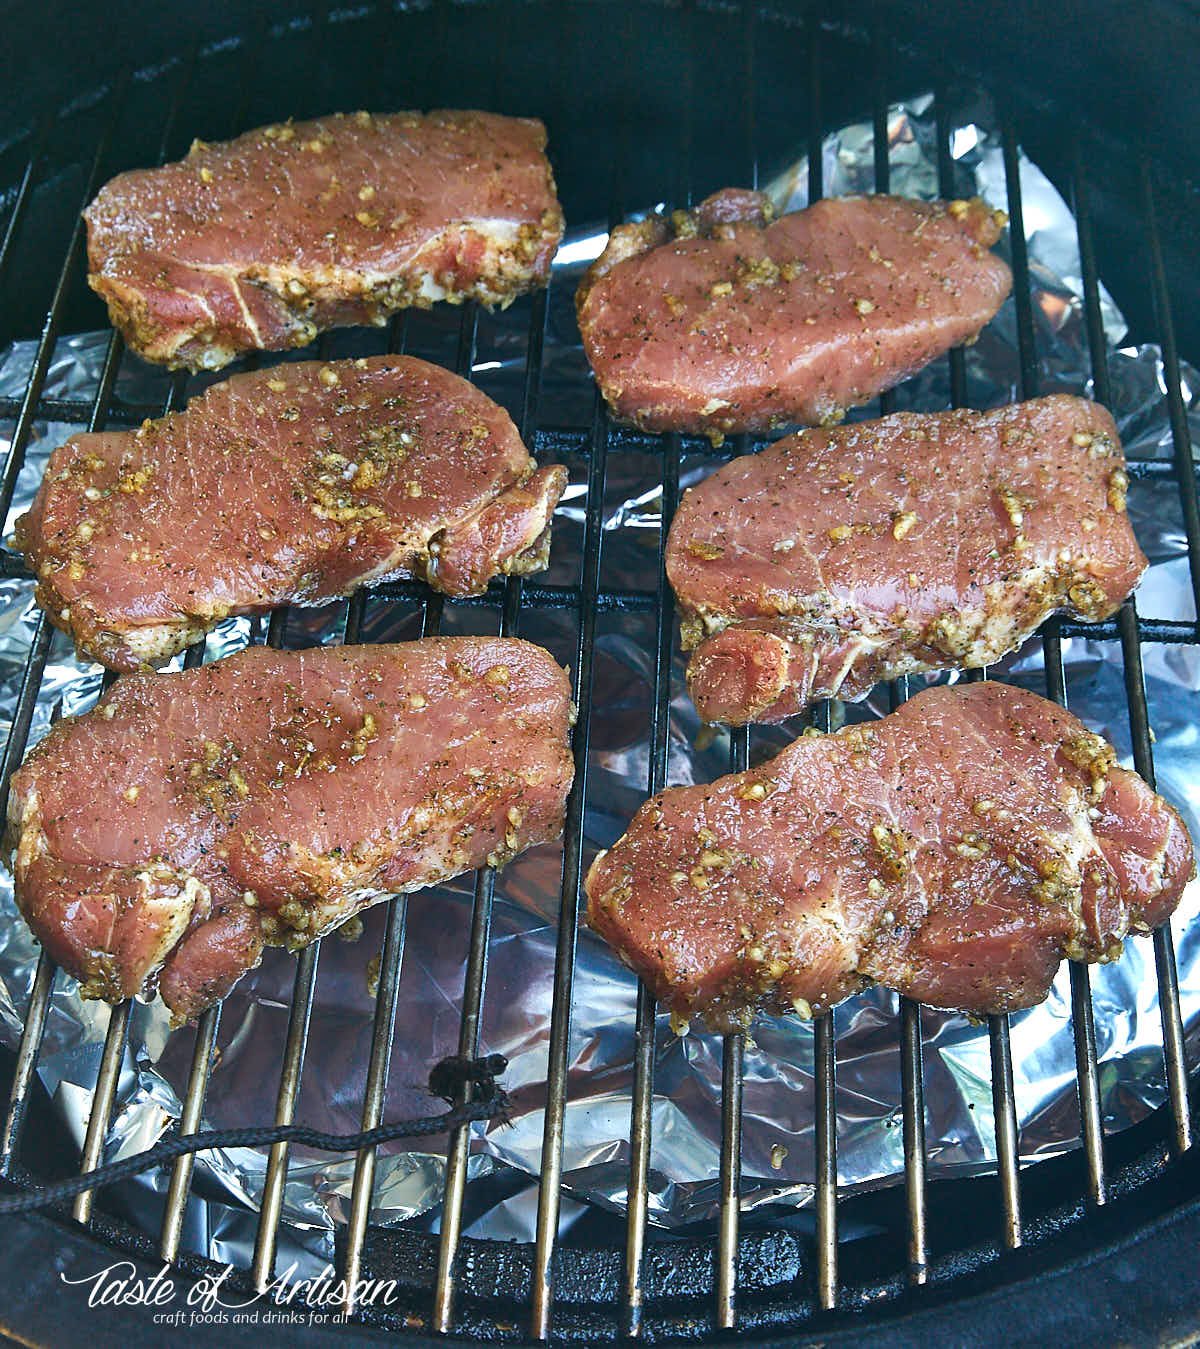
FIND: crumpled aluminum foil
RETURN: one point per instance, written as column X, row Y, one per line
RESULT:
column 779, row 1097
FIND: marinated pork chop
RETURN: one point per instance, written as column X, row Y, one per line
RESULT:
column 718, row 321
column 291, row 485
column 954, row 851
column 834, row 559
column 190, row 818
column 261, row 242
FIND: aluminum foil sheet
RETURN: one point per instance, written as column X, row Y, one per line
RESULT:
column 777, row 1157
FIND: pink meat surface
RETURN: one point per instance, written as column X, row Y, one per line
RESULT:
column 834, row 559
column 718, row 320
column 955, row 851
column 261, row 242
column 165, row 836
column 291, row 485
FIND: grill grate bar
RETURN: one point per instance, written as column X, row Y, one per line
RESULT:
column 641, row 1109
column 201, row 1066
column 548, row 440
column 588, row 598
column 1005, row 1117
column 816, row 123
column 1004, row 1108
column 1097, row 343
column 14, row 750
column 377, row 1072
column 66, row 277
column 27, row 1055
column 1148, row 629
column 37, row 148
column 912, row 1071
column 733, row 1052
column 31, row 682
column 749, row 90
column 825, row 1069
column 485, row 884
column 912, row 1088
column 1021, row 290
column 393, row 947
column 880, row 147
column 197, row 1087
column 637, row 1200
column 113, row 352
column 1185, row 466
column 912, row 1081
column 386, row 994
column 1164, row 946
column 733, row 1055
column 1174, row 1052
column 1127, row 619
column 644, row 1041
column 266, row 1235
column 262, row 1266
column 534, row 595
column 456, row 1156
column 1087, row 1072
column 824, row 1039
column 107, row 1079
column 912, row 1093
column 291, row 1073
column 1169, row 631
column 43, row 980
column 189, row 1122
column 553, row 1130
column 945, row 170
column 117, row 1034
column 568, row 923
column 733, row 1046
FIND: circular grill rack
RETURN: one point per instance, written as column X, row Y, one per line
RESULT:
column 642, row 100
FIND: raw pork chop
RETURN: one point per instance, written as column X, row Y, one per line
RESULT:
column 716, row 320
column 291, row 485
column 954, row 851
column 261, row 242
column 192, row 817
column 834, row 559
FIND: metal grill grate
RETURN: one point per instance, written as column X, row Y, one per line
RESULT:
column 595, row 443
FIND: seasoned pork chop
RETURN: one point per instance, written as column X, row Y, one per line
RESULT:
column 261, row 242
column 716, row 320
column 291, row 485
column 837, row 558
column 190, row 818
column 954, row 851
